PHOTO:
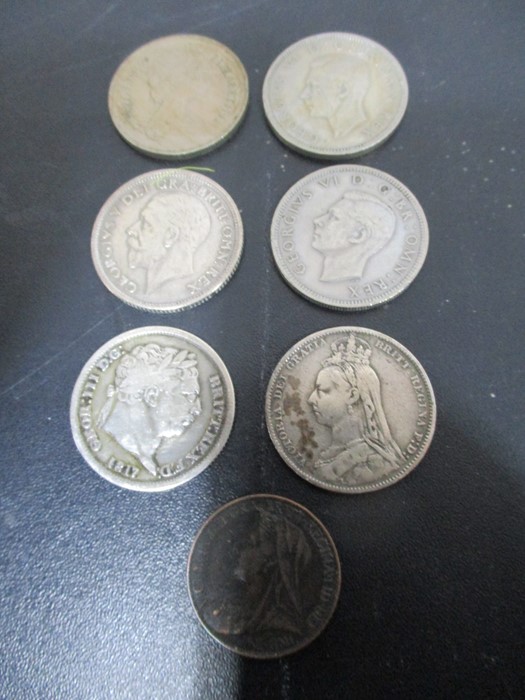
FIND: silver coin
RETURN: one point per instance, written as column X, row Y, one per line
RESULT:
column 152, row 408
column 167, row 240
column 335, row 95
column 349, row 237
column 350, row 410
column 264, row 576
column 178, row 96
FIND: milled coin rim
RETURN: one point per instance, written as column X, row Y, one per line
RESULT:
column 342, row 151
column 329, row 538
column 161, row 484
column 330, row 302
column 167, row 154
column 210, row 291
column 383, row 483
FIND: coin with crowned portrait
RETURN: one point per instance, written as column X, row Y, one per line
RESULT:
column 178, row 96
column 264, row 576
column 152, row 408
column 350, row 410
column 167, row 240
column 349, row 237
column 335, row 95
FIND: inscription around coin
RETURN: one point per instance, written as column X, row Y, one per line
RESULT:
column 263, row 576
column 349, row 237
column 335, row 95
column 364, row 414
column 152, row 408
column 167, row 240
column 178, row 96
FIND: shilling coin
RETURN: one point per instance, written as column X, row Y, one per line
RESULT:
column 167, row 240
column 264, row 576
column 350, row 410
column 335, row 95
column 349, row 237
column 152, row 408
column 178, row 96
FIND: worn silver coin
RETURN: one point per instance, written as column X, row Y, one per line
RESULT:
column 350, row 410
column 264, row 576
column 178, row 96
column 335, row 95
column 167, row 240
column 152, row 408
column 349, row 237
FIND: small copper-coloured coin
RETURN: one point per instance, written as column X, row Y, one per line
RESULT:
column 264, row 576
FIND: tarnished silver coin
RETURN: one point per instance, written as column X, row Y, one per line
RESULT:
column 264, row 576
column 335, row 95
column 350, row 410
column 167, row 240
column 152, row 408
column 178, row 96
column 349, row 237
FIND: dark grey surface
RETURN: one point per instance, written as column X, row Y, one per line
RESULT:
column 93, row 592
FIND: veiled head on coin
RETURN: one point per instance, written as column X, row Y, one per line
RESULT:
column 350, row 232
column 262, row 588
column 155, row 396
column 335, row 89
column 347, row 400
column 164, row 238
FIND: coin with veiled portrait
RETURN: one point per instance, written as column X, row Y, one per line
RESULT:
column 335, row 95
column 349, row 237
column 178, row 96
column 152, row 408
column 350, row 410
column 264, row 576
column 167, row 240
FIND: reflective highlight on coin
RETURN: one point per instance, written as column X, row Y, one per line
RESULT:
column 167, row 240
column 178, row 96
column 335, row 95
column 349, row 237
column 350, row 410
column 264, row 576
column 152, row 408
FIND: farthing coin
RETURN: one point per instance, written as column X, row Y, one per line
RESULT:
column 335, row 95
column 152, row 408
column 350, row 410
column 349, row 237
column 264, row 576
column 178, row 96
column 167, row 240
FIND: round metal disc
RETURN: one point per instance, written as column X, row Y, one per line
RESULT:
column 178, row 96
column 167, row 240
column 350, row 410
column 264, row 576
column 335, row 95
column 349, row 237
column 152, row 408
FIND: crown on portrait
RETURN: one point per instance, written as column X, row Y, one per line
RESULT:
column 353, row 351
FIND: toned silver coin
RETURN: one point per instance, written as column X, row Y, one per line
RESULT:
column 178, row 96
column 335, row 95
column 264, row 576
column 350, row 410
column 349, row 237
column 152, row 408
column 167, row 240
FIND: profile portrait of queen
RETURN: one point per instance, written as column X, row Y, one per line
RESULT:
column 347, row 400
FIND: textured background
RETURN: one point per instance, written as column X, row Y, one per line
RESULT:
column 92, row 587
